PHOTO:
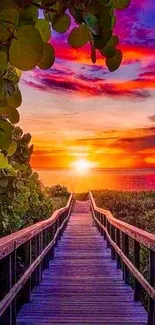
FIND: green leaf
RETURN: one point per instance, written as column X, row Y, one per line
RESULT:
column 62, row 23
column 110, row 48
column 102, row 39
column 114, row 62
column 1, row 89
column 77, row 15
column 120, row 4
column 44, row 28
column 19, row 184
column 27, row 49
column 9, row 88
column 105, row 20
column 50, row 16
column 3, row 61
column 4, row 32
column 12, row 148
column 9, row 16
column 48, row 57
column 3, row 161
column 113, row 22
column 35, row 176
column 59, row 8
column 29, row 15
column 5, row 134
column 4, row 182
column 15, row 100
column 13, row 114
column 92, row 22
column 79, row 36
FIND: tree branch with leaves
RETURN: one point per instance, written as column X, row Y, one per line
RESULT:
column 25, row 43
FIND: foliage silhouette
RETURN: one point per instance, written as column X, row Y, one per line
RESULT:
column 23, row 198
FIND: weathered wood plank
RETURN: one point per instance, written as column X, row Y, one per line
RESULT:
column 82, row 284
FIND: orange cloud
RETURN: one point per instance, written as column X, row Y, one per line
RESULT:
column 128, row 148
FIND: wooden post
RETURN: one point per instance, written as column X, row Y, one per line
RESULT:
column 52, row 249
column 28, row 261
column 40, row 242
column 57, row 227
column 137, row 286
column 9, row 277
column 46, row 258
column 108, row 229
column 35, row 276
column 13, row 282
column 101, row 221
column 125, row 248
column 118, row 244
column 151, row 307
column 104, row 223
column 113, row 253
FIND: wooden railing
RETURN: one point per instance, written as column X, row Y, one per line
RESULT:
column 118, row 235
column 23, row 257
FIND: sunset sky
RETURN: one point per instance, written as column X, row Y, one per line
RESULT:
column 79, row 110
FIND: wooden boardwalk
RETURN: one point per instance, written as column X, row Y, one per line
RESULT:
column 82, row 284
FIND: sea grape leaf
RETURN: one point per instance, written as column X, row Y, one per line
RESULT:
column 92, row 22
column 4, row 182
column 120, row 4
column 27, row 138
column 77, row 15
column 79, row 36
column 15, row 100
column 19, row 184
column 105, row 20
column 12, row 148
column 3, row 61
column 1, row 90
column 113, row 21
column 114, row 62
column 9, row 88
column 9, row 16
column 4, row 32
column 48, row 57
column 101, row 40
column 44, row 28
column 27, row 49
column 3, row 161
column 50, row 16
column 62, row 23
column 29, row 15
column 12, row 114
column 5, row 134
column 35, row 176
column 110, row 48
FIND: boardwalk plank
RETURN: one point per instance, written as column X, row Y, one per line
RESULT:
column 82, row 285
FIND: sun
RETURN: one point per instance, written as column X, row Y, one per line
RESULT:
column 82, row 165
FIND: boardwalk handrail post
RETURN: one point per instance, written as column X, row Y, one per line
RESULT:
column 151, row 307
column 37, row 240
column 137, row 286
column 118, row 234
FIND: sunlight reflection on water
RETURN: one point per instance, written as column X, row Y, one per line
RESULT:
column 120, row 179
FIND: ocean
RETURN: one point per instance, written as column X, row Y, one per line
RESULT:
column 95, row 179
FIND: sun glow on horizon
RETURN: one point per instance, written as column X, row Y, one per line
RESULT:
column 83, row 165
